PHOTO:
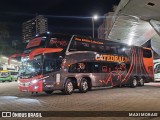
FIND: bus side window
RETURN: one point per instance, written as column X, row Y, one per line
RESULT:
column 111, row 49
column 81, row 67
column 104, row 68
column 147, row 53
column 95, row 67
column 72, row 68
column 121, row 50
column 58, row 64
column 49, row 65
column 78, row 68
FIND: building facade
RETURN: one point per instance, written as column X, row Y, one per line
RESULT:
column 33, row 27
column 106, row 26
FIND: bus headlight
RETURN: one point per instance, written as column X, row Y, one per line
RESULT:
column 35, row 87
column 34, row 81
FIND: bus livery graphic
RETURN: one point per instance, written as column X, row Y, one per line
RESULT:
column 138, row 66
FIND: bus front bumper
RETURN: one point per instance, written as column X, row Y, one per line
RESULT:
column 30, row 87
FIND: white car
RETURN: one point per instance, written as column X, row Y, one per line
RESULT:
column 157, row 70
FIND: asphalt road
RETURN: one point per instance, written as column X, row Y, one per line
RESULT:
column 146, row 98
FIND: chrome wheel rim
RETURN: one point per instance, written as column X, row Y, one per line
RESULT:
column 70, row 87
column 141, row 81
column 134, row 82
column 85, row 85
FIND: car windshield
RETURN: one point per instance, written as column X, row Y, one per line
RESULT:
column 14, row 73
column 30, row 68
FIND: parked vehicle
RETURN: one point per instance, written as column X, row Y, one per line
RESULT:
column 5, row 75
column 14, row 75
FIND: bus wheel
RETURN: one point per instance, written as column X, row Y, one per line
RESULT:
column 68, row 87
column 83, row 88
column 133, row 83
column 49, row 92
column 141, row 82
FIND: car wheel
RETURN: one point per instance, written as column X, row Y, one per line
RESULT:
column 83, row 88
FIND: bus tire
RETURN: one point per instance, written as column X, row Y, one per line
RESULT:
column 133, row 83
column 68, row 87
column 49, row 92
column 141, row 81
column 83, row 88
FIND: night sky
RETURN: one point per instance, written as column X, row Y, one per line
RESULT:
column 64, row 16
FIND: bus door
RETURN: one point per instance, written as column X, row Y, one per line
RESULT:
column 51, row 66
column 96, row 73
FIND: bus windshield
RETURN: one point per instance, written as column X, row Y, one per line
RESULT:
column 31, row 68
column 37, row 42
column 4, row 74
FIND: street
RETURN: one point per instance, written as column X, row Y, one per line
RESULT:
column 144, row 98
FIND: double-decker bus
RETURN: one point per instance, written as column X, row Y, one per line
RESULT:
column 68, row 62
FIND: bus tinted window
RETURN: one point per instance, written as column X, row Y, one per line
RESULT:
column 34, row 43
column 96, row 67
column 147, row 53
column 51, row 65
column 78, row 67
column 59, row 41
column 79, row 46
column 84, row 46
column 85, row 67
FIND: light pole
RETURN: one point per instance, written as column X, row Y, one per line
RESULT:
column 95, row 17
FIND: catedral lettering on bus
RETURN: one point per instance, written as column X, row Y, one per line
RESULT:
column 66, row 62
column 111, row 58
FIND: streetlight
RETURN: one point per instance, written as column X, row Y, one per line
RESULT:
column 95, row 17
